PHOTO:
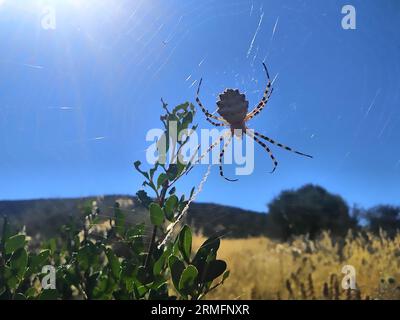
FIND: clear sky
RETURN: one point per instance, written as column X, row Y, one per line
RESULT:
column 76, row 102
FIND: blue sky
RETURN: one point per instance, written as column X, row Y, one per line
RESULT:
column 76, row 102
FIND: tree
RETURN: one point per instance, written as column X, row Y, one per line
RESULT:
column 384, row 217
column 309, row 209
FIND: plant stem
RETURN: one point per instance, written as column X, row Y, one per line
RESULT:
column 160, row 199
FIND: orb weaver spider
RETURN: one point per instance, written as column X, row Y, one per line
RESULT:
column 232, row 107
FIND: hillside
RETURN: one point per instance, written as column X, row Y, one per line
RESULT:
column 46, row 216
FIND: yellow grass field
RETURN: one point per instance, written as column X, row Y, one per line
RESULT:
column 264, row 269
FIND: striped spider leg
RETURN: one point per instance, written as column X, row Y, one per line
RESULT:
column 275, row 162
column 209, row 116
column 281, row 145
column 209, row 149
column 267, row 94
column 262, row 144
column 221, row 155
column 227, row 135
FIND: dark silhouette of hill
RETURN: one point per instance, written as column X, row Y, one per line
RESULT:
column 309, row 209
column 46, row 216
column 234, row 222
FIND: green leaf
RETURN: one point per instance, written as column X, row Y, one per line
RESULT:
column 14, row 243
column 181, row 107
column 19, row 296
column 185, row 243
column 207, row 251
column 143, row 276
column 187, row 120
column 128, row 272
column 144, row 199
column 114, row 263
column 87, row 208
column 71, row 277
column 88, row 256
column 161, row 180
column 172, row 117
column 137, row 166
column 188, row 279
column 119, row 220
column 51, row 245
column 172, row 171
column 159, row 264
column 11, row 279
column 153, row 170
column 37, row 261
column 104, row 287
column 159, row 293
column 181, row 166
column 142, row 290
column 135, row 232
column 48, row 294
column 30, row 293
column 176, row 267
column 170, row 206
column 191, row 192
column 213, row 270
column 91, row 282
column 19, row 262
column 156, row 214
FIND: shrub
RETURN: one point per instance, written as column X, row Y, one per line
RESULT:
column 104, row 257
column 385, row 218
column 310, row 209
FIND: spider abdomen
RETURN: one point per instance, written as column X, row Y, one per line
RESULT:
column 233, row 107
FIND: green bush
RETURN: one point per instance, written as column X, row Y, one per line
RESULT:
column 115, row 263
column 308, row 210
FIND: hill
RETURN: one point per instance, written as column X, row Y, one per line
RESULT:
column 46, row 216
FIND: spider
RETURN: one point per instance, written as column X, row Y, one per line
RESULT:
column 232, row 107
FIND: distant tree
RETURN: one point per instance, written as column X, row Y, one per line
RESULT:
column 384, row 217
column 309, row 209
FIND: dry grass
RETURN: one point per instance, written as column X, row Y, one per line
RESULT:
column 303, row 269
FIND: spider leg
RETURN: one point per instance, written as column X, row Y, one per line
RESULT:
column 266, row 148
column 215, row 123
column 267, row 94
column 206, row 112
column 281, row 145
column 221, row 155
column 260, row 106
column 215, row 143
